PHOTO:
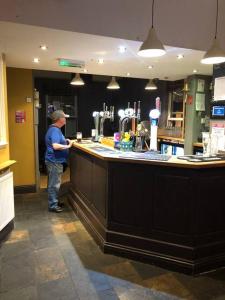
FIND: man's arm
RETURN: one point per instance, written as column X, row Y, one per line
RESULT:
column 57, row 146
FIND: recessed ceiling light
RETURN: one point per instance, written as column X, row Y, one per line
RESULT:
column 43, row 47
column 122, row 49
column 36, row 60
column 195, row 71
column 100, row 61
column 85, row 70
column 128, row 74
column 150, row 67
column 180, row 56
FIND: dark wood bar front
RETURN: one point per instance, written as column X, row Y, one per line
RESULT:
column 167, row 213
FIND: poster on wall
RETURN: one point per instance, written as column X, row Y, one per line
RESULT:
column 218, row 130
column 20, row 116
column 201, row 85
column 219, row 89
column 200, row 102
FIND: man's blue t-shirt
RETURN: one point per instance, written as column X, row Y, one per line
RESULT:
column 54, row 135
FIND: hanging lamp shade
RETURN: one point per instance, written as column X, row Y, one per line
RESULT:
column 77, row 80
column 151, row 85
column 215, row 55
column 152, row 46
column 113, row 85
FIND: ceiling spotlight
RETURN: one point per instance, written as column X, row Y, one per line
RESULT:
column 77, row 80
column 122, row 49
column 128, row 74
column 43, row 47
column 100, row 61
column 180, row 56
column 36, row 60
column 150, row 67
column 85, row 70
column 215, row 54
column 152, row 46
column 195, row 71
column 150, row 85
column 113, row 85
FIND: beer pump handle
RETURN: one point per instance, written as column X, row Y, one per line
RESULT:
column 135, row 108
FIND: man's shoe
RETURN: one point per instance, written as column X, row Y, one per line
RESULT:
column 56, row 209
column 61, row 204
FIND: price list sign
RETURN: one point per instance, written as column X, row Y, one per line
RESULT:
column 20, row 116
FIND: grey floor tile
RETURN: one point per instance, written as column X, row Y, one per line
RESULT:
column 18, row 272
column 50, row 265
column 58, row 290
column 9, row 250
column 27, row 293
column 100, row 281
column 109, row 295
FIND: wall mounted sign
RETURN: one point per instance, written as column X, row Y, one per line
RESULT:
column 200, row 102
column 20, row 116
column 201, row 85
column 219, row 89
column 189, row 99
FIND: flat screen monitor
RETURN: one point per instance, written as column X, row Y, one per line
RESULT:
column 218, row 111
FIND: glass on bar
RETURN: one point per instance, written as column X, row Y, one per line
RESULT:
column 79, row 137
column 206, row 143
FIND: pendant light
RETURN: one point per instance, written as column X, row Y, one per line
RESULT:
column 77, row 80
column 215, row 55
column 151, row 86
column 152, row 46
column 113, row 85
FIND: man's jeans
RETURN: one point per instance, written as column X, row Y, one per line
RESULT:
column 55, row 171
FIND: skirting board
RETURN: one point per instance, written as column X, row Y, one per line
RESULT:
column 6, row 231
column 23, row 189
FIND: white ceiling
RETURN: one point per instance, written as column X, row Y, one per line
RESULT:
column 88, row 30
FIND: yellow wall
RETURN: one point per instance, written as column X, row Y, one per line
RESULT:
column 4, row 152
column 21, row 135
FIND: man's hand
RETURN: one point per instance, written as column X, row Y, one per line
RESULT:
column 69, row 142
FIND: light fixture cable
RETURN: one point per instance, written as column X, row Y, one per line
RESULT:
column 152, row 11
column 216, row 18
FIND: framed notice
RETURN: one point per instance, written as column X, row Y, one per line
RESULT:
column 200, row 102
column 219, row 89
column 201, row 85
column 20, row 116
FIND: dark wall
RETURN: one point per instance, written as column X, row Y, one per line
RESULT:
column 219, row 70
column 92, row 95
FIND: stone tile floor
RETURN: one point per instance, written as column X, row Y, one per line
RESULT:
column 51, row 256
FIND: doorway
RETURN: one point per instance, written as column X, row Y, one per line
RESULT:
column 54, row 92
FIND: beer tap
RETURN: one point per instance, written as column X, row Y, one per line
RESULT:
column 105, row 114
column 129, row 113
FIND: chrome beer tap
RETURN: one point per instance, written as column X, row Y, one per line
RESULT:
column 106, row 114
column 96, row 116
column 129, row 114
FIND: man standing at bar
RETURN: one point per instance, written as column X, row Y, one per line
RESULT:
column 56, row 156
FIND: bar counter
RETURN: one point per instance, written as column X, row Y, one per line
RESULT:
column 168, row 213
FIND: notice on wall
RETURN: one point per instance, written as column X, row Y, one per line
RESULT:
column 20, row 116
column 189, row 99
column 217, row 129
column 201, row 85
column 200, row 102
column 219, row 89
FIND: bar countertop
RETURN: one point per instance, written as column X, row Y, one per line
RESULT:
column 110, row 154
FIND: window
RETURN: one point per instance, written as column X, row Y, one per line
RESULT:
column 3, row 141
